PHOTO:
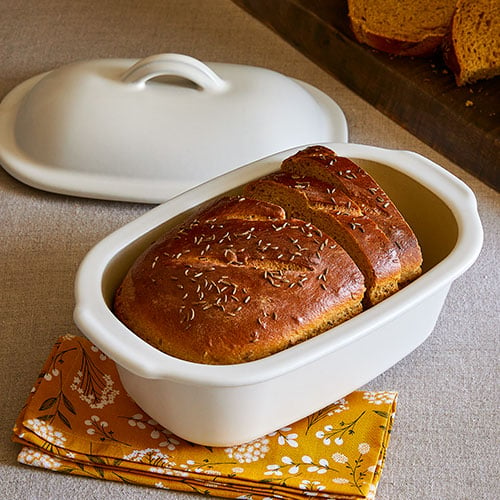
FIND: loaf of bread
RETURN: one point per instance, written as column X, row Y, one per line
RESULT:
column 302, row 250
column 466, row 31
column 401, row 27
column 228, row 286
column 471, row 47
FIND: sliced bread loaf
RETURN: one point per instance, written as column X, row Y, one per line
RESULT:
column 323, row 164
column 341, row 218
column 401, row 27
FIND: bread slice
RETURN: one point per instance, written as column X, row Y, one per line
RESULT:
column 323, row 164
column 228, row 286
column 401, row 27
column 341, row 218
column 472, row 47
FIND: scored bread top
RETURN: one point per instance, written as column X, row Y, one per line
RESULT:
column 323, row 164
column 336, row 214
column 229, row 285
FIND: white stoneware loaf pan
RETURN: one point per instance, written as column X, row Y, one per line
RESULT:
column 227, row 405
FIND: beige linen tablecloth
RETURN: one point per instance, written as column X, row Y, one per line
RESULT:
column 445, row 442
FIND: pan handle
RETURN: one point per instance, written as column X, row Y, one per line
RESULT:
column 174, row 65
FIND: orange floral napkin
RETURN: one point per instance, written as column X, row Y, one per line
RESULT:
column 79, row 420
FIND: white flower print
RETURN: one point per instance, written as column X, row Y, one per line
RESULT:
column 46, row 431
column 161, row 486
column 324, row 434
column 340, row 480
column 177, row 473
column 378, row 398
column 100, row 428
column 94, row 386
column 136, row 421
column 170, row 442
column 320, row 468
column 363, row 448
column 311, row 487
column 106, row 397
column 96, row 425
column 283, row 438
column 339, row 406
column 249, row 452
column 102, row 356
column 330, row 432
column 355, row 468
column 49, row 375
column 340, row 458
column 143, row 421
column 204, row 467
column 153, row 457
column 91, row 421
column 294, row 467
column 157, row 470
column 29, row 456
column 273, row 470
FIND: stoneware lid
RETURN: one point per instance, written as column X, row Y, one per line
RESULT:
column 147, row 130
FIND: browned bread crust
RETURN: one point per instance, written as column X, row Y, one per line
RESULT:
column 323, row 164
column 418, row 48
column 401, row 27
column 336, row 214
column 229, row 285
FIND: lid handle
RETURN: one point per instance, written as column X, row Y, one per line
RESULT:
column 174, row 65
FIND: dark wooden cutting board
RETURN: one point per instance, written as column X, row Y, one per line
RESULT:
column 462, row 123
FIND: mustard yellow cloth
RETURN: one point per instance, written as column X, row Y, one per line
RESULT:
column 79, row 420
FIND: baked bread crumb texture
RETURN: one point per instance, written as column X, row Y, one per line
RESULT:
column 467, row 32
column 300, row 251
